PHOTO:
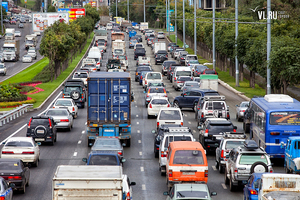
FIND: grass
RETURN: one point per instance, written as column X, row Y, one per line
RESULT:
column 30, row 4
column 230, row 80
column 48, row 87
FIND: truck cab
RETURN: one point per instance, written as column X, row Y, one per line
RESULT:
column 292, row 155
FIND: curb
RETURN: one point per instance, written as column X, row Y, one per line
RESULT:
column 65, row 79
column 240, row 94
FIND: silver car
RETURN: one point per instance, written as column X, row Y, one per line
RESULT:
column 62, row 117
column 27, row 58
column 240, row 110
column 2, row 69
column 32, row 53
column 154, row 91
column 108, row 144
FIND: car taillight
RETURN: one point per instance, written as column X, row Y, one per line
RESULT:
column 28, row 152
column 275, row 133
column 181, row 123
column 7, row 152
column 243, row 110
column 174, row 78
column 170, row 173
column 254, row 192
column 235, row 170
column 202, row 115
column 29, row 122
column 234, row 130
column 163, row 154
column 126, row 57
column 157, row 124
column 14, row 178
column 50, row 124
column 206, row 173
column 128, row 196
column 145, row 82
column 222, row 154
column 64, row 120
column 73, row 109
column 228, row 116
column 120, row 153
column 181, row 58
column 2, row 198
column 150, row 105
column 168, row 105
column 98, row 63
column 82, row 95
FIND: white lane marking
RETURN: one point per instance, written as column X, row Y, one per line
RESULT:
column 139, row 141
column 214, row 168
column 79, row 142
column 224, row 186
column 189, row 122
column 137, row 122
column 141, row 153
column 142, row 169
column 143, row 187
column 75, row 153
column 137, row 115
column 138, row 131
column 185, row 115
column 82, row 132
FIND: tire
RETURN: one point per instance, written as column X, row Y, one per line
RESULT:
column 52, row 143
column 155, row 63
column 70, row 128
column 226, row 180
column 287, row 171
column 82, row 105
column 156, row 154
column 36, row 164
column 55, row 138
column 195, row 107
column 236, row 117
column 217, row 164
column 128, row 142
column 231, row 186
column 260, row 169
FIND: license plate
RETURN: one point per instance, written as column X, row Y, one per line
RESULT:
column 39, row 139
column 188, row 173
column 40, row 131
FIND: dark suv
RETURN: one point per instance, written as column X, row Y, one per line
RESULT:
column 139, row 52
column 161, row 56
column 75, row 89
column 42, row 129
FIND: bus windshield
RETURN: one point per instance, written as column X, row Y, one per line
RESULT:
column 285, row 118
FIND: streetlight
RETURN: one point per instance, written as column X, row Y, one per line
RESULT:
column 183, row 9
column 195, row 26
column 214, row 30
column 144, row 12
column 236, row 36
column 176, row 21
column 116, row 8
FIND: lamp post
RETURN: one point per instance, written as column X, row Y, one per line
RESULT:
column 195, row 26
column 176, row 21
column 169, row 17
column 116, row 8
column 128, row 10
column 236, row 36
column 183, row 23
column 144, row 12
column 268, row 46
column 214, row 29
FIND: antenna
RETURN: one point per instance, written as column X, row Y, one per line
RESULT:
column 191, row 187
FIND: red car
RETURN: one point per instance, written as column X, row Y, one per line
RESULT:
column 209, row 71
column 13, row 21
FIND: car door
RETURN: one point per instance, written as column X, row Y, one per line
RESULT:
column 25, row 171
column 7, row 191
column 248, row 187
column 183, row 99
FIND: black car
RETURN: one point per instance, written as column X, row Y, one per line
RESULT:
column 42, row 129
column 161, row 56
column 139, row 52
column 139, row 69
column 171, row 70
column 140, row 39
column 212, row 131
column 165, row 66
column 159, row 134
column 14, row 171
column 188, row 99
column 76, row 90
column 182, row 58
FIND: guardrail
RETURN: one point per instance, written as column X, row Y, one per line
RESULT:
column 13, row 114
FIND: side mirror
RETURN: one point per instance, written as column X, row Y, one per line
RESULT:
column 217, row 144
column 282, row 145
column 123, row 160
column 84, row 160
column 237, row 105
column 166, row 193
column 227, row 107
column 3, row 142
column 132, row 183
column 213, row 194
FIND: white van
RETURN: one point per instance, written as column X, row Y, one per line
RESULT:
column 97, row 56
column 169, row 115
column 153, row 77
column 108, row 26
column 180, row 71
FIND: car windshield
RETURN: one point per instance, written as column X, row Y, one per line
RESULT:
column 194, row 62
column 159, row 101
column 156, row 90
column 63, row 103
column 170, row 115
column 201, row 68
column 191, row 84
column 18, row 144
column 103, row 160
column 80, row 75
column 155, row 84
column 233, row 144
column 89, row 65
column 122, row 57
column 167, row 64
column 143, row 68
column 138, row 45
column 183, row 73
column 244, row 104
column 57, row 112
column 9, row 165
column 188, row 157
column 193, row 58
column 216, row 128
column 249, row 159
column 154, row 76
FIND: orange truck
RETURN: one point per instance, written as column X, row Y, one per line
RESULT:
column 187, row 163
column 117, row 36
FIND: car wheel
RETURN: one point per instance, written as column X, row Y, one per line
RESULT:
column 226, row 180
column 236, row 117
column 148, row 116
column 52, row 143
column 82, row 105
column 231, row 186
column 195, row 107
column 76, row 115
column 156, row 154
column 217, row 164
column 36, row 164
column 155, row 63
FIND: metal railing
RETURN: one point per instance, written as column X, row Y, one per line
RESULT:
column 15, row 113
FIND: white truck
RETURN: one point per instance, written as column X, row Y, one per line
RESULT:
column 101, row 35
column 208, row 81
column 88, row 182
column 159, row 46
column 143, row 26
column 30, row 41
column 11, row 50
column 118, row 44
column 278, row 186
column 9, row 34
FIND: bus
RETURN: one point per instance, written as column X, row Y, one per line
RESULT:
column 273, row 118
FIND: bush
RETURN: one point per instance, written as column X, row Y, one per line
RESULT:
column 16, row 103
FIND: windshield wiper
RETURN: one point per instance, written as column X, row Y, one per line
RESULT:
column 181, row 195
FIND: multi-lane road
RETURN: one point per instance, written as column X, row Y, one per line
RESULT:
column 141, row 166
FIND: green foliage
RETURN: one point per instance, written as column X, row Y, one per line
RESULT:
column 11, row 93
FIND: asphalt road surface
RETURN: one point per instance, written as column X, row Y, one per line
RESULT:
column 140, row 165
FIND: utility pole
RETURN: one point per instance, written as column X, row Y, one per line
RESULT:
column 128, row 10
column 169, row 18
column 268, row 46
column 1, row 19
column 166, row 15
column 195, row 27
column 214, row 31
column 176, row 21
column 183, row 23
column 144, row 12
column 116, row 8
column 237, row 84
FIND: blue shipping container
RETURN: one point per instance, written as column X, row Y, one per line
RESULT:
column 109, row 106
column 132, row 33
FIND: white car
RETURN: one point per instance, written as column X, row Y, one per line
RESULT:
column 18, row 34
column 24, row 148
column 156, row 103
column 67, row 103
column 169, row 115
column 2, row 69
column 160, row 35
column 127, row 190
column 32, row 53
column 82, row 75
column 27, row 58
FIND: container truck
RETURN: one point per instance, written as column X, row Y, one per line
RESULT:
column 109, row 106
column 11, row 50
column 88, row 182
column 9, row 34
column 117, row 36
column 159, row 46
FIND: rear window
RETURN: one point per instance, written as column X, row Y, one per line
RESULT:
column 80, row 75
column 221, row 127
column 154, row 76
column 139, row 50
column 72, row 88
column 185, row 78
column 143, row 69
column 63, row 103
column 215, row 105
column 249, row 159
column 192, row 57
column 138, row 45
column 176, row 138
column 159, row 101
column 35, row 122
column 188, row 157
column 233, row 144
column 57, row 112
column 170, row 115
column 5, row 165
column 18, row 144
column 156, row 90
column 103, row 160
column 183, row 73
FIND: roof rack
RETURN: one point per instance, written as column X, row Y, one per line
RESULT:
column 214, row 98
column 234, row 135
